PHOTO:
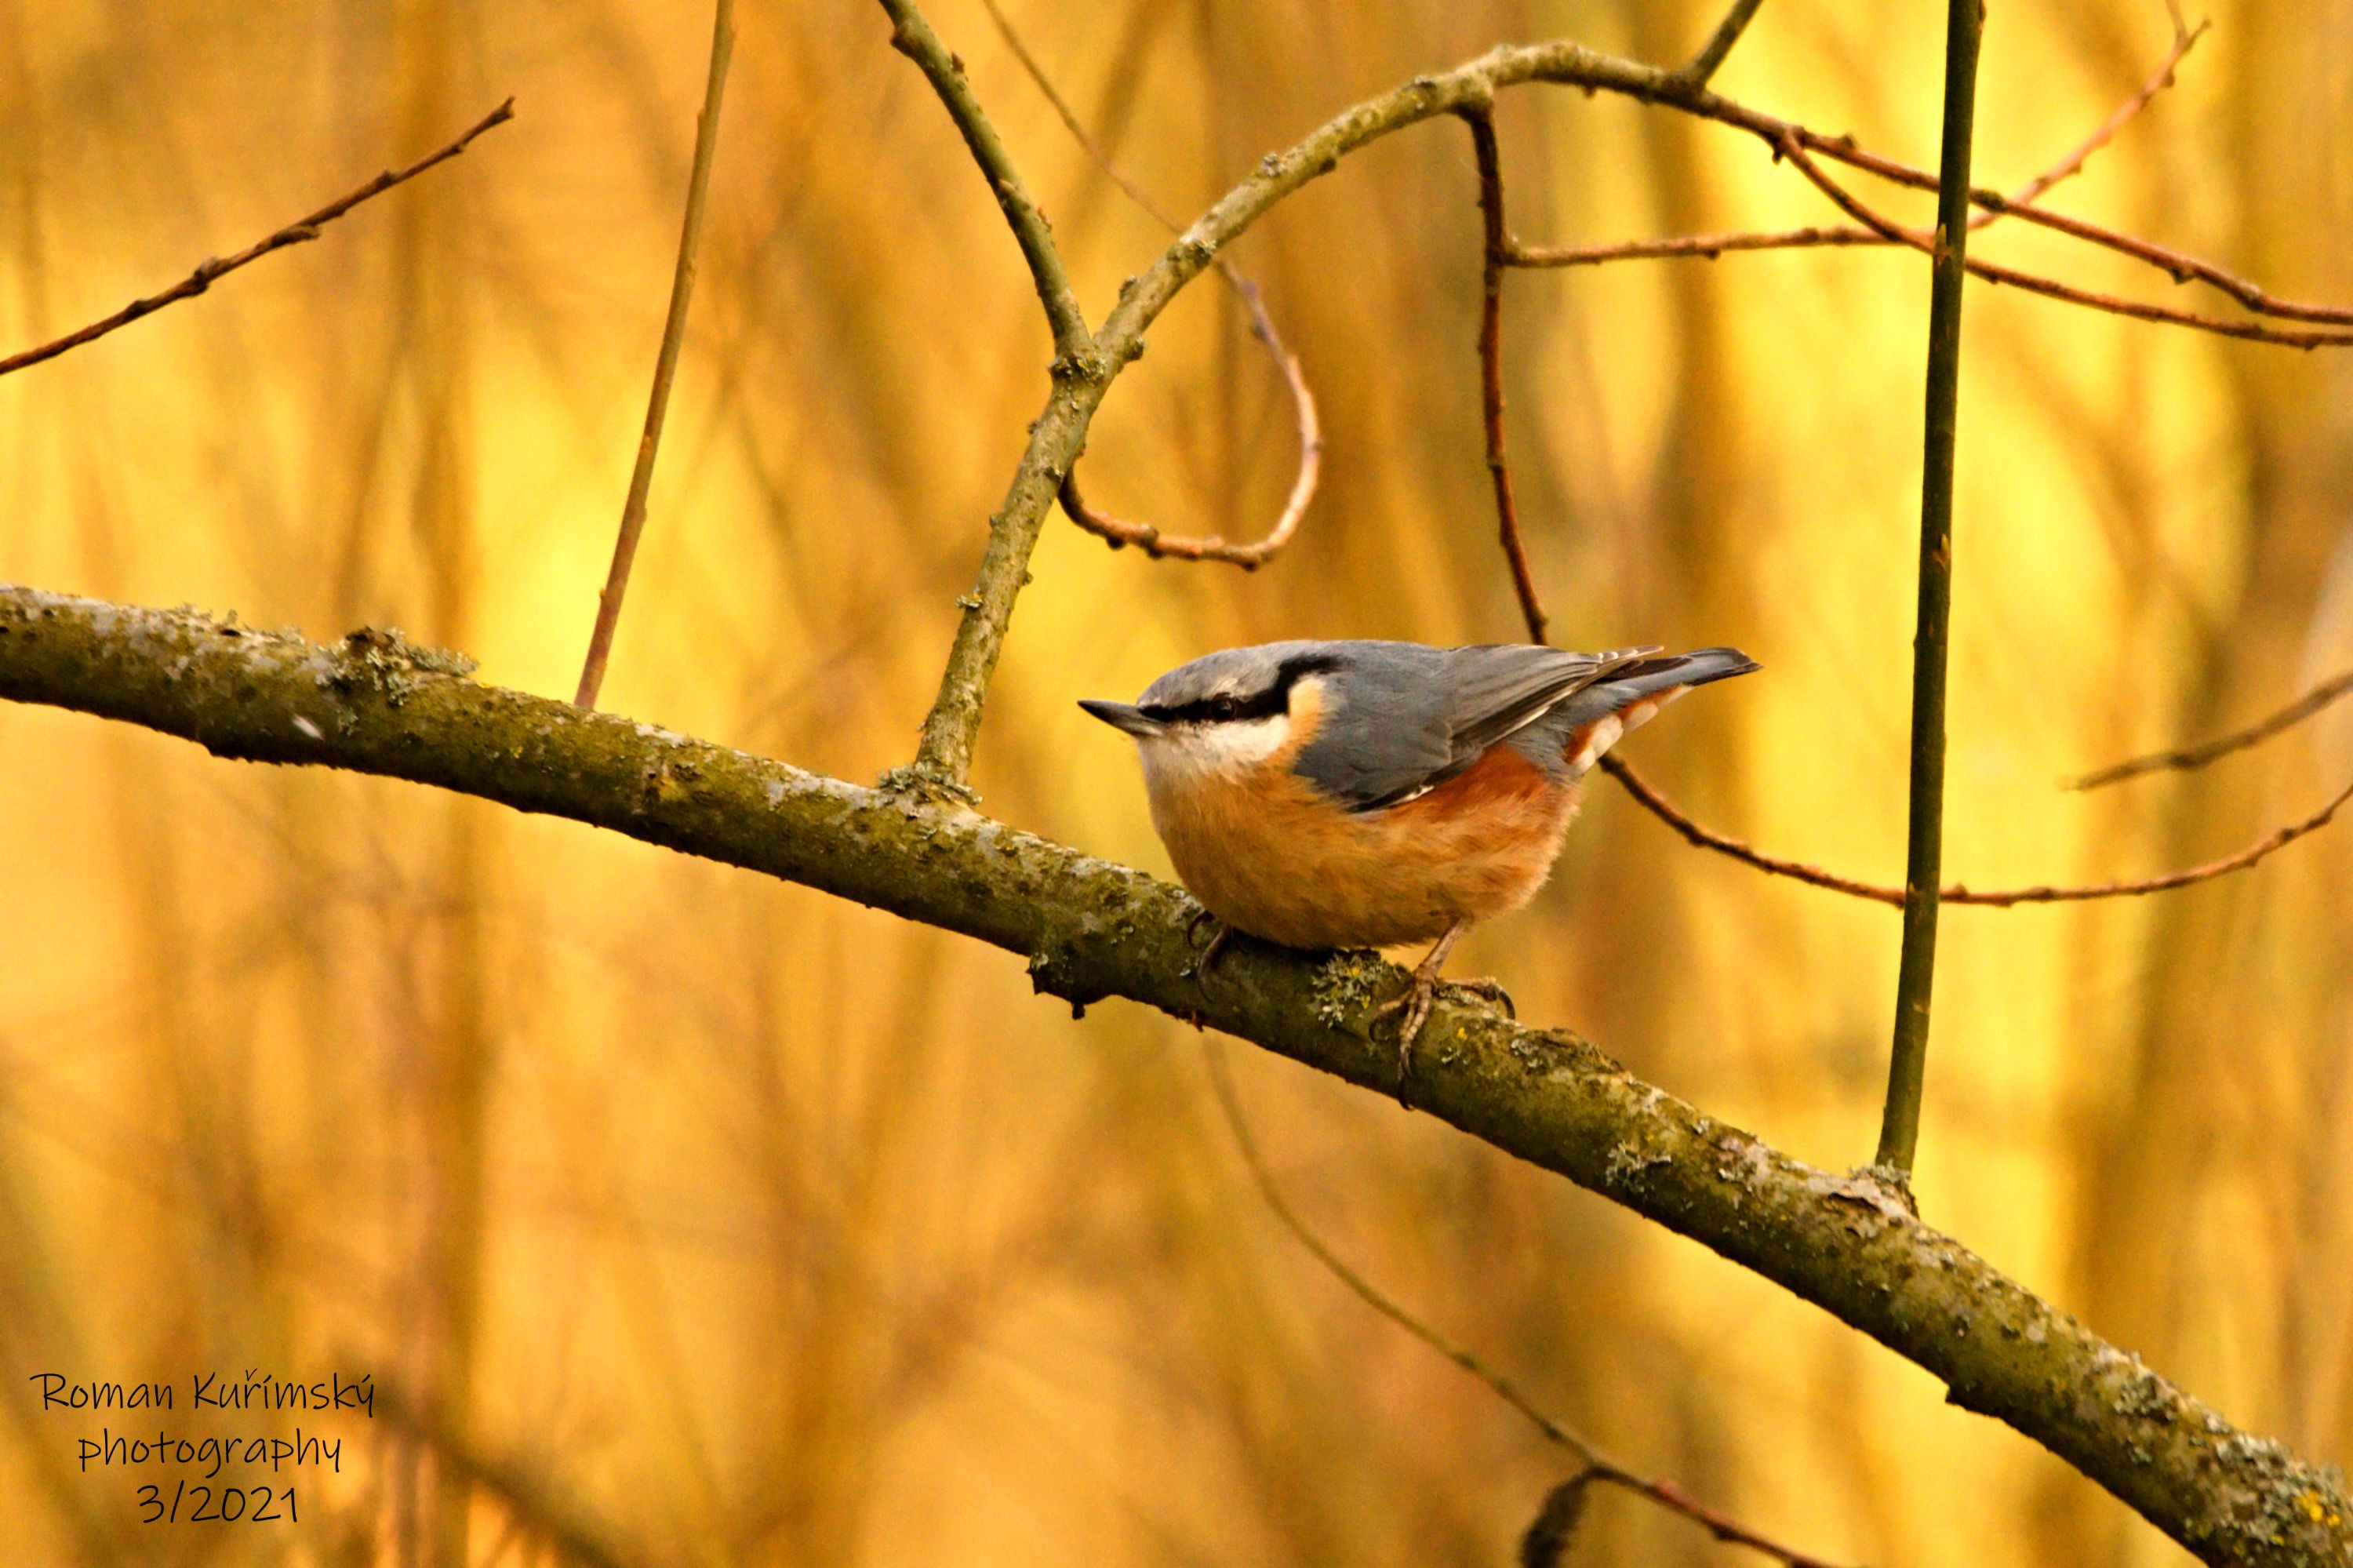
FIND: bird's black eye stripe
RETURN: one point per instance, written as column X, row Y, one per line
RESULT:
column 1229, row 707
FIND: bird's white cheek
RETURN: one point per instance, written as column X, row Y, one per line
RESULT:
column 1185, row 757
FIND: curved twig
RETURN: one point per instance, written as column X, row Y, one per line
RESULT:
column 1118, row 532
column 1705, row 837
column 1249, row 557
column 294, row 233
column 1597, row 1465
column 2184, row 758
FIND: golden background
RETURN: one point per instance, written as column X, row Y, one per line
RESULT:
column 765, row 1229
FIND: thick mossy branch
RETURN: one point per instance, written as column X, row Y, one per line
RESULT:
column 1092, row 929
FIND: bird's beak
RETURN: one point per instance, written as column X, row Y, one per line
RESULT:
column 1123, row 716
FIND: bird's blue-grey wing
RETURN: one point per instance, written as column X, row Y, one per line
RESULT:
column 1403, row 718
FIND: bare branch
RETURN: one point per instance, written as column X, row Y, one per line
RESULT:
column 1707, row 838
column 1779, row 134
column 1494, row 256
column 294, row 233
column 1090, row 930
column 2184, row 758
column 1249, row 557
column 1081, row 374
column 682, row 290
column 1923, row 850
column 1598, row 1467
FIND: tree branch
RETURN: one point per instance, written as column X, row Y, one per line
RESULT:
column 294, row 233
column 682, row 290
column 1249, row 557
column 1794, row 149
column 1090, row 930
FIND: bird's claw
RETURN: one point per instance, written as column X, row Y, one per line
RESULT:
column 1198, row 971
column 1415, row 1001
column 1488, row 990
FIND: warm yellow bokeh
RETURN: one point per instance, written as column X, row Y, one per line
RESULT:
column 765, row 1229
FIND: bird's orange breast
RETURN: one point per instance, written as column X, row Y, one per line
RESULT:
column 1272, row 855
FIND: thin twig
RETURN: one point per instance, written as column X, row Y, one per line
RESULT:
column 682, row 290
column 1777, row 134
column 294, row 233
column 1598, row 1465
column 2184, row 39
column 1711, row 245
column 1708, row 245
column 2184, row 758
column 1704, row 837
column 1494, row 256
column 1179, row 547
column 1794, row 148
column 1144, row 535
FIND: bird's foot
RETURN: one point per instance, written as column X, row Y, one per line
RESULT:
column 1413, row 1003
column 1422, row 990
column 1199, row 969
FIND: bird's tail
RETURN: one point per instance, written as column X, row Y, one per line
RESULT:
column 1625, row 697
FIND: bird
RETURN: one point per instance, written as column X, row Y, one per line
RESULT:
column 1352, row 794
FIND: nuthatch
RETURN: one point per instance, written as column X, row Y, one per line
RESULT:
column 1371, row 794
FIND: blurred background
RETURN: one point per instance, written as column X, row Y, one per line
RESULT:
column 763, row 1229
